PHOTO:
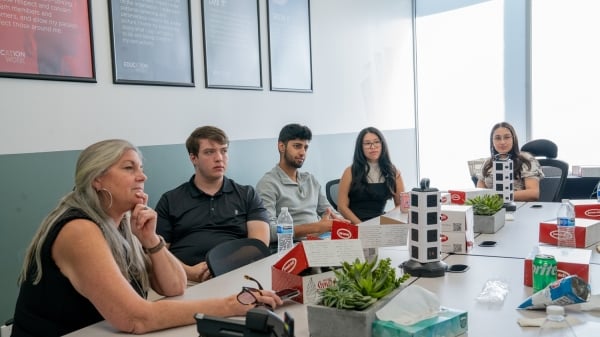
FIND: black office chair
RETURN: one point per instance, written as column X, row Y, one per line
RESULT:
column 555, row 170
column 331, row 191
column 233, row 254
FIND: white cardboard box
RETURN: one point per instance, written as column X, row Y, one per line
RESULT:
column 456, row 242
column 287, row 271
column 459, row 196
column 587, row 232
column 456, row 218
column 391, row 230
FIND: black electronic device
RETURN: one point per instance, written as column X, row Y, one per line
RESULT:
column 457, row 268
column 259, row 322
column 288, row 293
column 487, row 243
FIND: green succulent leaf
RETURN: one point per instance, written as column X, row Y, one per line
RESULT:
column 360, row 284
column 487, row 204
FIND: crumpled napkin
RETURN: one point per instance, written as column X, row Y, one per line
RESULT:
column 410, row 306
column 538, row 321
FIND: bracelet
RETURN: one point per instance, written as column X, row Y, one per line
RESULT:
column 156, row 248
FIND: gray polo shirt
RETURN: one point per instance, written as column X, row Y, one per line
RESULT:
column 304, row 199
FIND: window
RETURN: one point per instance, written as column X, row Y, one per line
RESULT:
column 565, row 71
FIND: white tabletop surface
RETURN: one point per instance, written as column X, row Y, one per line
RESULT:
column 519, row 236
column 231, row 283
column 456, row 290
column 460, row 290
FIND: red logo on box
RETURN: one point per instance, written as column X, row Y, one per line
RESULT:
column 343, row 233
column 289, row 265
column 592, row 213
column 443, row 237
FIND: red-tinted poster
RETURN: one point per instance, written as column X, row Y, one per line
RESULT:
column 46, row 39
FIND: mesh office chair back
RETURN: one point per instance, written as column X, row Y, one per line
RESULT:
column 555, row 170
column 331, row 192
column 233, row 254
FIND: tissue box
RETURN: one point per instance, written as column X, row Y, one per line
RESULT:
column 328, row 322
column 287, row 272
column 570, row 261
column 587, row 232
column 586, row 208
column 460, row 196
column 449, row 323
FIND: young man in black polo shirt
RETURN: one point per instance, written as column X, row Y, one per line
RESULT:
column 210, row 208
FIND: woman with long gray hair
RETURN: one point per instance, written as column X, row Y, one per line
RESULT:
column 97, row 253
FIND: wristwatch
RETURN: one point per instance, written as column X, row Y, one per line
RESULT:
column 156, row 248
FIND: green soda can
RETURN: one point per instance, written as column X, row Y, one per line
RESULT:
column 545, row 271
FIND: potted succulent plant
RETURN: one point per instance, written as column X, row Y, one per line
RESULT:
column 488, row 213
column 348, row 307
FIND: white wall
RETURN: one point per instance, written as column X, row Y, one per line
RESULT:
column 362, row 75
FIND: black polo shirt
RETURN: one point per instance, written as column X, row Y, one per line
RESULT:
column 193, row 222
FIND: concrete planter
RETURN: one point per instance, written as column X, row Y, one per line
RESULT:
column 489, row 224
column 328, row 322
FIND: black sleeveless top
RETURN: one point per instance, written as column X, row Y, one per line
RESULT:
column 53, row 307
column 371, row 204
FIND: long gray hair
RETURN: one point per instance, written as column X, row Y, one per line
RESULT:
column 93, row 162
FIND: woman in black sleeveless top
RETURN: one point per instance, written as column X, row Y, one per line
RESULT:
column 371, row 180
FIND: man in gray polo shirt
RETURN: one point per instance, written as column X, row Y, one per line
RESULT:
column 300, row 192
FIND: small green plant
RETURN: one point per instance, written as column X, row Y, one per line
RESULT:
column 360, row 284
column 487, row 204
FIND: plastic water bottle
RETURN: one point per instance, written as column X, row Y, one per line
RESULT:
column 285, row 231
column 555, row 324
column 566, row 224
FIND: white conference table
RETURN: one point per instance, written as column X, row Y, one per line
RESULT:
column 460, row 290
column 457, row 290
column 519, row 237
column 232, row 282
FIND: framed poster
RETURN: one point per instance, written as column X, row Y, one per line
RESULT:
column 290, row 45
column 151, row 42
column 50, row 40
column 231, row 44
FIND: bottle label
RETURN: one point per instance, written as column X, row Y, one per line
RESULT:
column 566, row 222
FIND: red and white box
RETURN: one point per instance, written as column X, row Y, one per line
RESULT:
column 570, row 261
column 587, row 232
column 287, row 272
column 456, row 218
column 456, row 242
column 586, row 208
column 459, row 196
column 445, row 198
column 391, row 230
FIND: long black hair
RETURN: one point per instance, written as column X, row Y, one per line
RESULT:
column 515, row 153
column 360, row 167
